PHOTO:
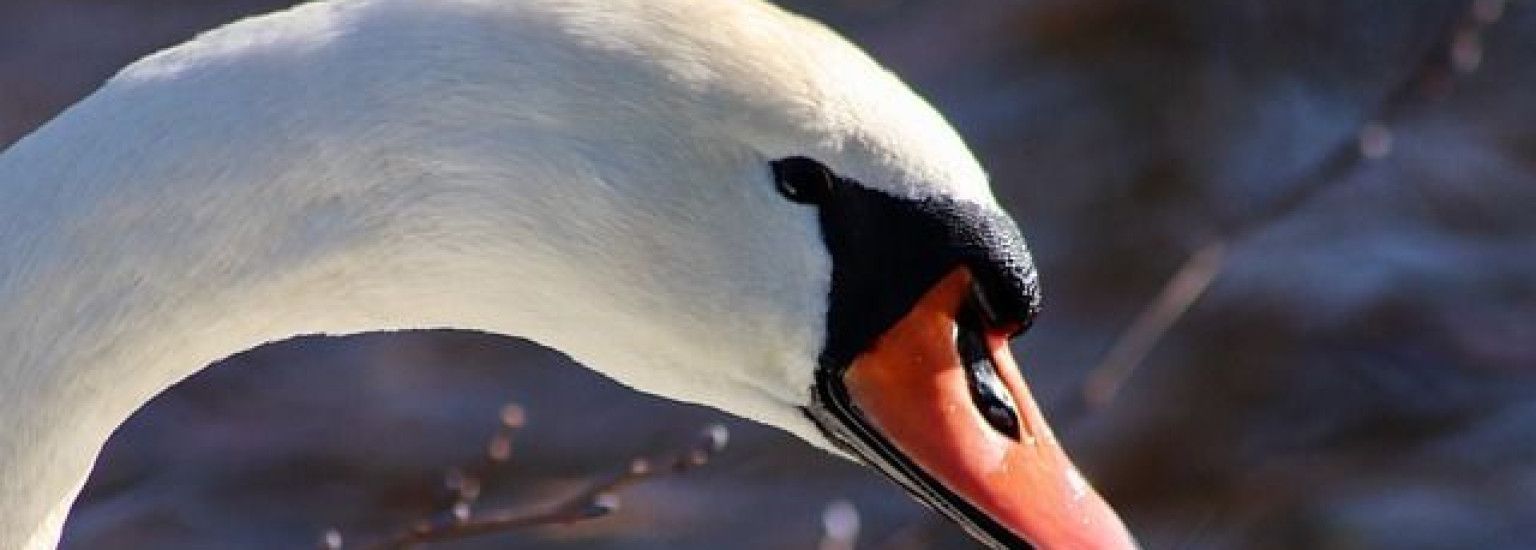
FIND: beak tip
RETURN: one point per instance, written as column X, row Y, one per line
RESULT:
column 918, row 393
column 1077, row 518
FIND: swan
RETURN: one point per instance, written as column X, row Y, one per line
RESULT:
column 714, row 201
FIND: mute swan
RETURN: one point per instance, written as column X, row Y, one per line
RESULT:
column 718, row 202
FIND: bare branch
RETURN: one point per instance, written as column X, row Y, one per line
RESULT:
column 1458, row 53
column 1186, row 286
column 598, row 499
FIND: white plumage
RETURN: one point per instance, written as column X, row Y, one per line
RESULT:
column 587, row 174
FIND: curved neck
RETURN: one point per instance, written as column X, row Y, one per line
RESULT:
column 123, row 270
column 133, row 255
column 282, row 177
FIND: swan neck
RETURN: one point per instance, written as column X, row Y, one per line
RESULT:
column 127, row 268
column 110, row 292
column 342, row 168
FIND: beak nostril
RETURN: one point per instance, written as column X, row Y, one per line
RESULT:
column 988, row 393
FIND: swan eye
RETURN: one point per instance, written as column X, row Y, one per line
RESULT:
column 803, row 180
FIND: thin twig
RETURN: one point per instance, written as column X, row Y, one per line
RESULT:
column 1136, row 342
column 598, row 499
column 1460, row 52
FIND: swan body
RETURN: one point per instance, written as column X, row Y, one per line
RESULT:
column 589, row 175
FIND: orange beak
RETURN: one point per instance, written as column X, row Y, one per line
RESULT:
column 940, row 390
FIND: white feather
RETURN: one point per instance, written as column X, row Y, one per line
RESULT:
column 587, row 174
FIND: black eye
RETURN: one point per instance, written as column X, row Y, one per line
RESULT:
column 803, row 180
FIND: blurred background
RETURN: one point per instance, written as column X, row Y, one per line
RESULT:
column 1288, row 248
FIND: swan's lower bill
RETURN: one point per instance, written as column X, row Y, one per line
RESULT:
column 938, row 404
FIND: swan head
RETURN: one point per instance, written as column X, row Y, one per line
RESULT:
column 718, row 202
